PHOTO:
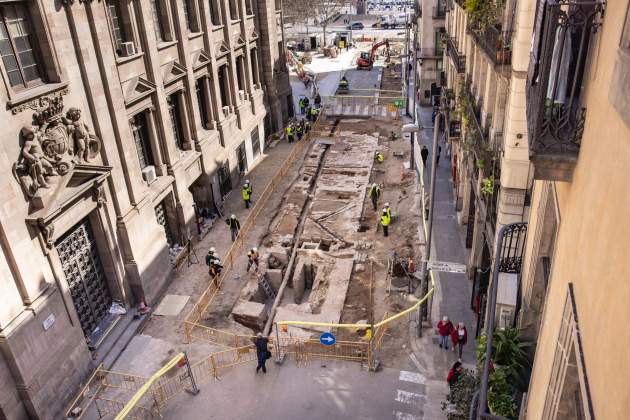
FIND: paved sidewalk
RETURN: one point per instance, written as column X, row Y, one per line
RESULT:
column 452, row 295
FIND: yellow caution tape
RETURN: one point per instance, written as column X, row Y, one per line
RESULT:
column 144, row 388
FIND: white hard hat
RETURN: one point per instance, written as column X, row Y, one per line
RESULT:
column 233, row 216
column 255, row 249
column 247, row 181
column 374, row 185
column 212, row 250
column 384, row 210
column 386, row 204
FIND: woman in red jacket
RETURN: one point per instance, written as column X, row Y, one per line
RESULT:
column 459, row 337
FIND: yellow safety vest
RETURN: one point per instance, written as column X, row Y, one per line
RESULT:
column 245, row 193
column 289, row 131
column 374, row 190
column 380, row 157
column 385, row 219
column 389, row 212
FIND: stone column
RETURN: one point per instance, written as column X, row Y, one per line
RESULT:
column 187, row 141
column 160, row 167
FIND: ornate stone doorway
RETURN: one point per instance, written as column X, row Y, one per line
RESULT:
column 84, row 273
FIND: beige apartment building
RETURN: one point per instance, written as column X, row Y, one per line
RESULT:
column 430, row 48
column 123, row 122
column 485, row 69
column 574, row 284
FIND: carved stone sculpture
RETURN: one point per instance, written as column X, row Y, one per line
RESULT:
column 52, row 145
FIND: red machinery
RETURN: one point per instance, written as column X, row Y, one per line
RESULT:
column 366, row 60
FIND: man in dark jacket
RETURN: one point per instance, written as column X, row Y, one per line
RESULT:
column 262, row 352
column 234, row 225
column 424, row 152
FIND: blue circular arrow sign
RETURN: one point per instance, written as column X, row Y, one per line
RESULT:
column 327, row 339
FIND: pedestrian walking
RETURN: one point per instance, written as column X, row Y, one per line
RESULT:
column 454, row 373
column 234, row 225
column 374, row 194
column 424, row 152
column 252, row 259
column 262, row 352
column 459, row 337
column 246, row 192
column 289, row 130
column 437, row 158
column 444, row 326
column 385, row 220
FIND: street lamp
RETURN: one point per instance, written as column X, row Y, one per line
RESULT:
column 411, row 128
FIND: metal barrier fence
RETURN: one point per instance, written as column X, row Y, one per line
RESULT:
column 192, row 320
column 386, row 106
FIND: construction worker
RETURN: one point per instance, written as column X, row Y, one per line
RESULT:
column 252, row 259
column 313, row 113
column 299, row 129
column 290, row 133
column 306, row 102
column 214, row 263
column 389, row 210
column 385, row 219
column 246, row 192
column 307, row 125
column 234, row 225
column 318, row 100
column 302, row 106
column 374, row 194
column 379, row 157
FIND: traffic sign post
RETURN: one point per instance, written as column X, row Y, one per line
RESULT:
column 448, row 267
column 327, row 339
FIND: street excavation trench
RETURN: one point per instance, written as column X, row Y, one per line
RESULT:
column 324, row 240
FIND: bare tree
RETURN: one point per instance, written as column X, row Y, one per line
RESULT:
column 299, row 11
column 320, row 12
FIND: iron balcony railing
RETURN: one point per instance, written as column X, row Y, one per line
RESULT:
column 555, row 111
column 459, row 60
column 496, row 43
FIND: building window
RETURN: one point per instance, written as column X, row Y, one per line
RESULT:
column 140, row 131
column 215, row 12
column 190, row 16
column 248, row 7
column 174, row 112
column 568, row 394
column 224, row 85
column 240, row 73
column 233, row 9
column 255, row 142
column 200, row 90
column 254, row 60
column 21, row 61
column 157, row 13
column 121, row 27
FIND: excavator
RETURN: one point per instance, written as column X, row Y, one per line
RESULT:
column 366, row 60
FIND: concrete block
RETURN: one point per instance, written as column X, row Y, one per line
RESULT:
column 274, row 277
column 251, row 314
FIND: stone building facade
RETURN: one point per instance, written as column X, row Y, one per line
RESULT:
column 485, row 69
column 123, row 122
column 430, row 27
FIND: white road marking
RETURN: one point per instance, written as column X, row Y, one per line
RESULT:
column 398, row 415
column 415, row 361
column 414, row 377
column 411, row 398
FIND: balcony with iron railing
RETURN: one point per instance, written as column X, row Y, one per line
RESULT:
column 439, row 11
column 495, row 43
column 555, row 108
column 459, row 60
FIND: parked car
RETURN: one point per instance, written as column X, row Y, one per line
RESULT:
column 355, row 25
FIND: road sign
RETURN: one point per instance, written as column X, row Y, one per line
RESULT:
column 449, row 267
column 327, row 339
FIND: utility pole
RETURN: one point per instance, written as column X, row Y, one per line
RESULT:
column 423, row 273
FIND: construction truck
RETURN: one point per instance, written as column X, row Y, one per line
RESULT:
column 366, row 59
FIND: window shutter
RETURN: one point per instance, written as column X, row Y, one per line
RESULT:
column 539, row 27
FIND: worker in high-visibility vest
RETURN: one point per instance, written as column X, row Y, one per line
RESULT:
column 307, row 125
column 389, row 210
column 299, row 130
column 379, row 157
column 234, row 225
column 313, row 113
column 289, row 130
column 252, row 259
column 385, row 220
column 302, row 106
column 374, row 194
column 246, row 192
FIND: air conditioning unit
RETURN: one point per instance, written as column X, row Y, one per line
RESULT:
column 148, row 174
column 127, row 49
column 507, row 294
